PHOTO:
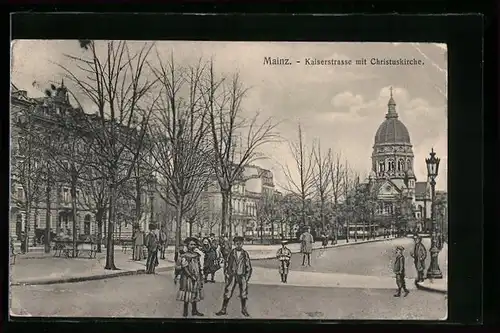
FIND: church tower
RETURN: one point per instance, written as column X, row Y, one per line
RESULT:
column 392, row 156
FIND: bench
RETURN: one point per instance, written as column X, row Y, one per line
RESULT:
column 64, row 248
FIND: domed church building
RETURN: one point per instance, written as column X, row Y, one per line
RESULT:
column 392, row 180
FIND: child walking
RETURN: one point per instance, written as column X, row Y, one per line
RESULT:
column 284, row 255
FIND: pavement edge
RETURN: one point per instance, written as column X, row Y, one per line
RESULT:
column 430, row 289
column 76, row 279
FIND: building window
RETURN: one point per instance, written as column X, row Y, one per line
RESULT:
column 65, row 195
column 86, row 225
column 381, row 166
column 390, row 165
column 20, row 193
column 401, row 165
column 408, row 164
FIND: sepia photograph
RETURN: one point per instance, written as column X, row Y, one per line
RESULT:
column 228, row 180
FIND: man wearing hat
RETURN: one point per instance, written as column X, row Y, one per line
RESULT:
column 191, row 280
column 399, row 270
column 237, row 271
column 284, row 255
column 419, row 254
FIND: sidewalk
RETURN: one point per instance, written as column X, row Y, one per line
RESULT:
column 438, row 285
column 42, row 268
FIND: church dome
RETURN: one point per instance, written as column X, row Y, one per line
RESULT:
column 392, row 130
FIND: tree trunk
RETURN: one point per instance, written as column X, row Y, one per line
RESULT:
column 224, row 213
column 47, row 217
column 98, row 217
column 348, row 233
column 190, row 228
column 178, row 224
column 261, row 231
column 303, row 212
column 272, row 231
column 110, row 251
column 27, row 225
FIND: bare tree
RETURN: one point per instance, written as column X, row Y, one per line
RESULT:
column 27, row 164
column 322, row 180
column 197, row 215
column 70, row 151
column 304, row 163
column 115, row 84
column 337, row 184
column 95, row 198
column 223, row 101
column 264, row 212
column 181, row 151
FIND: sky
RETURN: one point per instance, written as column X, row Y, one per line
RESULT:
column 339, row 106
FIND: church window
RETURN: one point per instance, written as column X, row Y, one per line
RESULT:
column 401, row 165
column 381, row 166
column 391, row 165
column 408, row 164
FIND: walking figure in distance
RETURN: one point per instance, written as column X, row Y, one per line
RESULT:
column 399, row 270
column 419, row 254
column 237, row 271
column 152, row 244
column 191, row 279
column 163, row 242
column 306, row 246
column 284, row 255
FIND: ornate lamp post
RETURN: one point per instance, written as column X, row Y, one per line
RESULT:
column 432, row 171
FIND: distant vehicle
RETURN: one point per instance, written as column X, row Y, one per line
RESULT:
column 364, row 230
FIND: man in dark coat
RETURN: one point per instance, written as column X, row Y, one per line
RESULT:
column 237, row 271
column 419, row 254
column 399, row 270
column 152, row 244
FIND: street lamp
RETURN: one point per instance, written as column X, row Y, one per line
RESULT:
column 432, row 171
column 152, row 184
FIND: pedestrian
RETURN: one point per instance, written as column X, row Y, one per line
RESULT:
column 324, row 237
column 24, row 242
column 284, row 255
column 237, row 271
column 210, row 261
column 177, row 259
column 138, row 244
column 225, row 247
column 191, row 278
column 306, row 246
column 163, row 242
column 419, row 254
column 399, row 270
column 152, row 243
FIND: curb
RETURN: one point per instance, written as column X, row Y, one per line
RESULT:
column 331, row 247
column 76, row 279
column 430, row 289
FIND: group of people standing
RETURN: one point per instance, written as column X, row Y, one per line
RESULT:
column 154, row 242
column 192, row 275
column 419, row 254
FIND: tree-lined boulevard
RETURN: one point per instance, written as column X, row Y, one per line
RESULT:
column 154, row 295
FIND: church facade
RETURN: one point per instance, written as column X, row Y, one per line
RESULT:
column 392, row 180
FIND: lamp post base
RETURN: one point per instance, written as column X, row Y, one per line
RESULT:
column 434, row 272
